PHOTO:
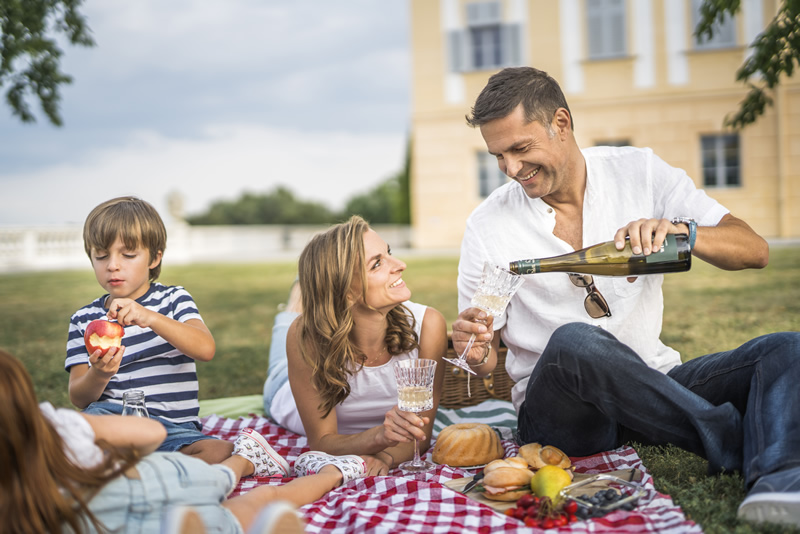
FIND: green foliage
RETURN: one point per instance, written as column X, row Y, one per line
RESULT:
column 775, row 52
column 278, row 207
column 29, row 56
column 387, row 203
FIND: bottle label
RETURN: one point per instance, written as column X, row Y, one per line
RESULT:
column 668, row 251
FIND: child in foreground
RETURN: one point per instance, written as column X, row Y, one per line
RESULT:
column 125, row 240
column 66, row 471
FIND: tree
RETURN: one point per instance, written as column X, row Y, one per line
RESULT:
column 775, row 52
column 29, row 56
column 387, row 203
column 277, row 207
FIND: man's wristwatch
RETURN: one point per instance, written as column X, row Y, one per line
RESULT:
column 691, row 224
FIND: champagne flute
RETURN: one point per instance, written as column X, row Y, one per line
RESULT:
column 494, row 292
column 415, row 394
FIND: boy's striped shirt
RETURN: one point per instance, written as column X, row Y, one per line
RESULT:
column 167, row 377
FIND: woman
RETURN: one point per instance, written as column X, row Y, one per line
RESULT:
column 334, row 380
column 66, row 471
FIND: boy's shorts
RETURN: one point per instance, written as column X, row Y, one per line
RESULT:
column 178, row 434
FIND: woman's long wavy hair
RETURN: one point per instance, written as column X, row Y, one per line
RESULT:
column 327, row 268
column 41, row 490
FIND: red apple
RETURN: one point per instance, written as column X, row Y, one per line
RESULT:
column 103, row 334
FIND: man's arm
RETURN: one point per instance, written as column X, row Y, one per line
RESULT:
column 731, row 245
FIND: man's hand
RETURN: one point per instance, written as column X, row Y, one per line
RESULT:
column 473, row 321
column 647, row 235
column 730, row 245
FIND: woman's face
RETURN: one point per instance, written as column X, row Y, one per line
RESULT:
column 385, row 286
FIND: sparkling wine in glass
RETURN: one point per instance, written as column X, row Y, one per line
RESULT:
column 415, row 394
column 494, row 292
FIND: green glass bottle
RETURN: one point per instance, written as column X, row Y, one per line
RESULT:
column 604, row 259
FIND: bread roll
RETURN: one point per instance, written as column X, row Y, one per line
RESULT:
column 503, row 477
column 538, row 456
column 467, row 444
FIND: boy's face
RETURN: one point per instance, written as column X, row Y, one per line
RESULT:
column 122, row 272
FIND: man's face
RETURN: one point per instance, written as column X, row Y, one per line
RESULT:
column 534, row 155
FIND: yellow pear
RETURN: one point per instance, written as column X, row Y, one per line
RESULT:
column 549, row 480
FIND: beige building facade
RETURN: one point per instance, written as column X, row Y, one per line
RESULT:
column 633, row 74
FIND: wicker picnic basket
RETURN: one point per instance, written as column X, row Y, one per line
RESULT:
column 496, row 385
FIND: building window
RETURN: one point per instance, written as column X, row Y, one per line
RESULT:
column 724, row 33
column 486, row 43
column 490, row 177
column 721, row 160
column 605, row 21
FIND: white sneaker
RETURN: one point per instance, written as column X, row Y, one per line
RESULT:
column 267, row 463
column 774, row 498
column 351, row 466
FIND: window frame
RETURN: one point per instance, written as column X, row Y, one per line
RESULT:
column 469, row 52
column 724, row 33
column 722, row 167
column 606, row 29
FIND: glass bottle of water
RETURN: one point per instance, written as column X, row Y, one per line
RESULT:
column 133, row 403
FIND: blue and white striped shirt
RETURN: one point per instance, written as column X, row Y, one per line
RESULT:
column 167, row 377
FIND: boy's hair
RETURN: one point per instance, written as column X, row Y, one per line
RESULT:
column 131, row 219
column 539, row 94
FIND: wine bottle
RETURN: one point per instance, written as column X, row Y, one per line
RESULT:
column 604, row 259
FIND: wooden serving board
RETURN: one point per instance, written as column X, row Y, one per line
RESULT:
column 631, row 475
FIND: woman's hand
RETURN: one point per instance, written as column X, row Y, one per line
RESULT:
column 403, row 427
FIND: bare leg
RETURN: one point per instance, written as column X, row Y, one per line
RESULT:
column 241, row 466
column 212, row 451
column 300, row 491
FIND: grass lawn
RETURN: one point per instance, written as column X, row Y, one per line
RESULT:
column 706, row 310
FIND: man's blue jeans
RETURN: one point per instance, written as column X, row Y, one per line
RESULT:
column 738, row 409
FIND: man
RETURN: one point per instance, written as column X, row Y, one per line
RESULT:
column 590, row 370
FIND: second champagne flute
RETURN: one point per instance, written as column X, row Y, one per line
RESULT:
column 415, row 394
column 495, row 290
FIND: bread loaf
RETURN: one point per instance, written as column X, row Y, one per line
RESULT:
column 538, row 456
column 467, row 444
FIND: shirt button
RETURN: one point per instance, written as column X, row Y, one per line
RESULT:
column 549, row 210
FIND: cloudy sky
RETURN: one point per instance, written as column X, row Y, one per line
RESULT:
column 210, row 99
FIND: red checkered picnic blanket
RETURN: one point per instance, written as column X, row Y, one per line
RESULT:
column 422, row 503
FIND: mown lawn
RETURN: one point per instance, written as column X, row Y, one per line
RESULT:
column 706, row 310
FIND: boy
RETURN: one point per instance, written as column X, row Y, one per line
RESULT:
column 125, row 239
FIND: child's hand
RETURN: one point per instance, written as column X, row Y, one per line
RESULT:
column 107, row 365
column 375, row 466
column 127, row 312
